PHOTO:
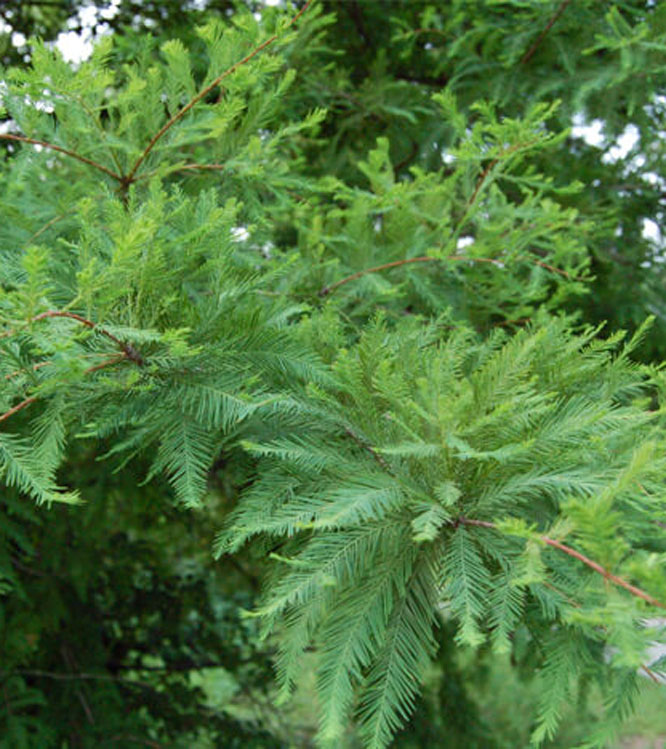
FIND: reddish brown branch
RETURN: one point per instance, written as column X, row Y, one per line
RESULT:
column 484, row 174
column 187, row 167
column 602, row 571
column 66, row 151
column 366, row 446
column 530, row 52
column 479, row 183
column 47, row 226
column 107, row 363
column 73, row 316
column 553, row 269
column 34, row 368
column 328, row 289
column 426, row 259
column 17, row 408
column 606, row 574
column 651, row 673
column 204, row 92
column 128, row 350
column 184, row 168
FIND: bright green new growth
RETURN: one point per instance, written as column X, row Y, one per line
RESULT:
column 411, row 467
column 376, row 508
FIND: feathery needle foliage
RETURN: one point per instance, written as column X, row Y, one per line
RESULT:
column 377, row 367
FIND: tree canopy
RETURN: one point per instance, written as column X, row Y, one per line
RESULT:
column 329, row 350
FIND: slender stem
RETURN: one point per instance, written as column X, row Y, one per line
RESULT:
column 477, row 188
column 48, row 225
column 366, row 446
column 34, row 368
column 28, row 570
column 530, row 52
column 170, row 669
column 129, row 178
column 103, row 133
column 651, row 673
column 328, row 289
column 71, row 664
column 128, row 350
column 107, row 363
column 602, row 571
column 553, row 269
column 66, row 151
column 18, row 407
column 183, row 168
column 426, row 259
column 82, row 676
column 187, row 167
column 485, row 173
column 606, row 574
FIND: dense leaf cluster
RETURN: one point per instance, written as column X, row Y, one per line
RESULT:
column 325, row 305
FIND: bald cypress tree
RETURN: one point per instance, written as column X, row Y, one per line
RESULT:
column 345, row 298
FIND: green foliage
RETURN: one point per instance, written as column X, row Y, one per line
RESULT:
column 139, row 612
column 325, row 304
column 377, row 511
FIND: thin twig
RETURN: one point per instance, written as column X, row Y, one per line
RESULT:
column 479, row 184
column 66, row 151
column 328, row 289
column 606, row 574
column 174, row 169
column 171, row 668
column 427, row 259
column 530, row 52
column 104, row 133
column 187, row 167
column 651, row 674
column 107, row 363
column 129, row 178
column 28, row 570
column 484, row 174
column 80, row 676
column 48, row 225
column 129, row 351
column 17, row 408
column 602, row 571
column 34, row 368
column 71, row 664
column 366, row 446
column 553, row 269
column 8, row 705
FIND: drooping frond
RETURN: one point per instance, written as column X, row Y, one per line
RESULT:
column 406, row 648
column 23, row 469
column 450, row 462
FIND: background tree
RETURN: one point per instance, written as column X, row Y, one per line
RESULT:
column 287, row 272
